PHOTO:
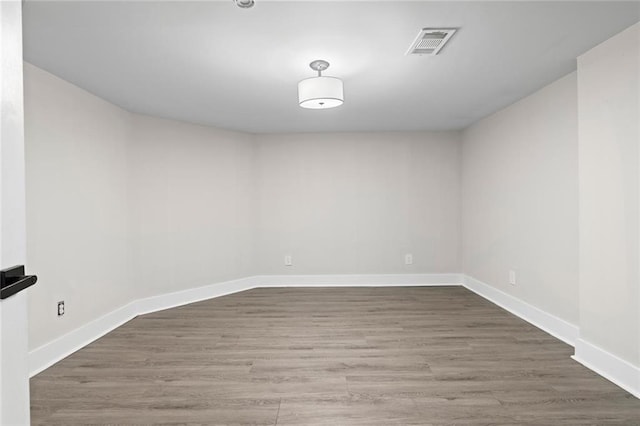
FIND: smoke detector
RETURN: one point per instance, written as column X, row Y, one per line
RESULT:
column 430, row 41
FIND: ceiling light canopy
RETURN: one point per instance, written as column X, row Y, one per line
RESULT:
column 320, row 92
column 245, row 4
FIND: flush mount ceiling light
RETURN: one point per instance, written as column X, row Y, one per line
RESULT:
column 320, row 92
column 245, row 4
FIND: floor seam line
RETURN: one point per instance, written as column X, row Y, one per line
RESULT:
column 278, row 413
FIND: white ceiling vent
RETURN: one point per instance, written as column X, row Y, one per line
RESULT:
column 430, row 41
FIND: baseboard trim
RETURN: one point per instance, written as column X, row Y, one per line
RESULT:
column 198, row 294
column 50, row 353
column 609, row 366
column 596, row 359
column 354, row 280
column 551, row 324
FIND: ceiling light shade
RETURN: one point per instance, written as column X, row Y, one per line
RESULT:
column 320, row 92
column 245, row 4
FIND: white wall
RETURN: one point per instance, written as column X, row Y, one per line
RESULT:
column 190, row 205
column 77, row 233
column 520, row 199
column 356, row 203
column 122, row 206
column 609, row 116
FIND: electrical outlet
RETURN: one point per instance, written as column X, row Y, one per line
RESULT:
column 512, row 277
column 408, row 259
column 61, row 308
column 288, row 261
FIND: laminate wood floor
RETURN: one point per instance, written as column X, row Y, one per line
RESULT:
column 329, row 356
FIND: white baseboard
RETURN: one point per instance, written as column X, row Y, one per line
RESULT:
column 48, row 354
column 603, row 363
column 609, row 366
column 553, row 325
column 354, row 280
column 184, row 297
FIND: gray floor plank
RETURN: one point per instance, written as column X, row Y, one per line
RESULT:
column 329, row 356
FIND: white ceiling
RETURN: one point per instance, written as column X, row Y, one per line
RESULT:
column 216, row 64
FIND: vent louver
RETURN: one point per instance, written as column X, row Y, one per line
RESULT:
column 430, row 41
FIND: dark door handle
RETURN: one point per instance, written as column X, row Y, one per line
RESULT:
column 13, row 280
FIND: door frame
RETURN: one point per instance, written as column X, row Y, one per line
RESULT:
column 14, row 367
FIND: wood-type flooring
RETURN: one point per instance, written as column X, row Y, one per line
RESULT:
column 329, row 356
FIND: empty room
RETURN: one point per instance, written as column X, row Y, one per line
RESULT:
column 271, row 212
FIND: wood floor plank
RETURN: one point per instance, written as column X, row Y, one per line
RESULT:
column 329, row 356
